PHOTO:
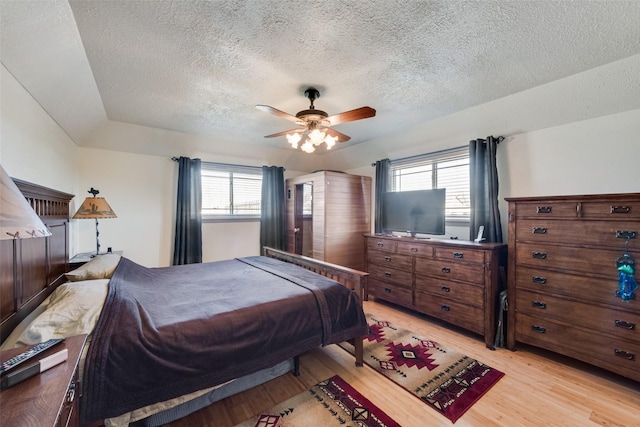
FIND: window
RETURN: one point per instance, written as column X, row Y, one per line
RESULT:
column 230, row 192
column 447, row 169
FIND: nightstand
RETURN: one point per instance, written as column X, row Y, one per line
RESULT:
column 50, row 398
column 82, row 258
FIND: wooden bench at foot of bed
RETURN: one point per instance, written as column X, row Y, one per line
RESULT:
column 353, row 279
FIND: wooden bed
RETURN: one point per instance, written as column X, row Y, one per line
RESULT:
column 32, row 269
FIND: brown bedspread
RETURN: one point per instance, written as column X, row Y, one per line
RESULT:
column 165, row 332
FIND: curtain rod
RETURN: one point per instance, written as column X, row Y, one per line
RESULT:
column 435, row 153
column 175, row 159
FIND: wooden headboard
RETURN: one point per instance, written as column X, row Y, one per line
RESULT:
column 30, row 269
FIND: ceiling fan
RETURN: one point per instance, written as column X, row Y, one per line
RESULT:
column 316, row 124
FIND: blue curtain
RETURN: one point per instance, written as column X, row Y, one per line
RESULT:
column 382, row 185
column 273, row 211
column 187, row 248
column 484, row 189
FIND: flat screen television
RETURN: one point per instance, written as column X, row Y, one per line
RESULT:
column 414, row 212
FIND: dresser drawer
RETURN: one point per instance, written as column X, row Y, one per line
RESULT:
column 460, row 254
column 468, row 317
column 600, row 262
column 389, row 292
column 415, row 249
column 390, row 260
column 451, row 270
column 602, row 233
column 614, row 210
column 461, row 292
column 607, row 352
column 608, row 321
column 374, row 244
column 592, row 289
column 547, row 209
column 401, row 277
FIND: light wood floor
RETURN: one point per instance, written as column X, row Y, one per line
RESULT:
column 538, row 389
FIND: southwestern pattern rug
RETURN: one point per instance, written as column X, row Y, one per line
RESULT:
column 448, row 381
column 329, row 403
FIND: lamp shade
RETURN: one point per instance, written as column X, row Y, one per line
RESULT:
column 17, row 217
column 94, row 208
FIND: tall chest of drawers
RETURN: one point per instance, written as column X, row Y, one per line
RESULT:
column 452, row 280
column 563, row 279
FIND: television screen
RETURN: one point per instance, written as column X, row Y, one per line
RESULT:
column 415, row 212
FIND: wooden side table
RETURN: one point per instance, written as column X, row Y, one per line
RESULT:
column 50, row 398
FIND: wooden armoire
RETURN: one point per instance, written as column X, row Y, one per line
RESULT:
column 327, row 215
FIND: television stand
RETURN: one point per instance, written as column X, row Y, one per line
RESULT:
column 453, row 280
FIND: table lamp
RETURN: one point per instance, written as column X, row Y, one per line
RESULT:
column 17, row 218
column 95, row 208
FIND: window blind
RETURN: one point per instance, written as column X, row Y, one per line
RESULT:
column 230, row 191
column 447, row 169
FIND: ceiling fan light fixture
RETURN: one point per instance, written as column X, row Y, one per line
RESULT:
column 308, row 147
column 316, row 124
column 316, row 137
column 293, row 139
column 330, row 141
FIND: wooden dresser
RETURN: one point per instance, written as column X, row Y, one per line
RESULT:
column 563, row 278
column 452, row 280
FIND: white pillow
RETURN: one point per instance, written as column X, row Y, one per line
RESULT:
column 100, row 267
column 73, row 309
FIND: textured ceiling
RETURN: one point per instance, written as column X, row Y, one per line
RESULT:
column 200, row 67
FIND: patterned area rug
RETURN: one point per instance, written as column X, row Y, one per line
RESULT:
column 447, row 380
column 330, row 403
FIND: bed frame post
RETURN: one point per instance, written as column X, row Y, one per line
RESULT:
column 359, row 351
column 296, row 366
column 353, row 279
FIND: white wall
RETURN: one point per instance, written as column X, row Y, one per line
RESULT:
column 140, row 190
column 31, row 141
column 599, row 155
column 593, row 156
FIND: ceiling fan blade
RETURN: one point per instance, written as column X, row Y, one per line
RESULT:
column 284, row 133
column 334, row 133
column 277, row 112
column 352, row 115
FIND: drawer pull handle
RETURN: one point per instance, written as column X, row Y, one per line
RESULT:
column 387, row 258
column 387, row 290
column 539, row 255
column 539, row 230
column 543, row 209
column 71, row 393
column 624, row 354
column 620, row 209
column 625, row 325
column 626, row 234
column 387, row 274
column 538, row 329
column 446, row 270
column 414, row 249
column 539, row 279
column 539, row 304
column 445, row 307
column 458, row 255
column 446, row 289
